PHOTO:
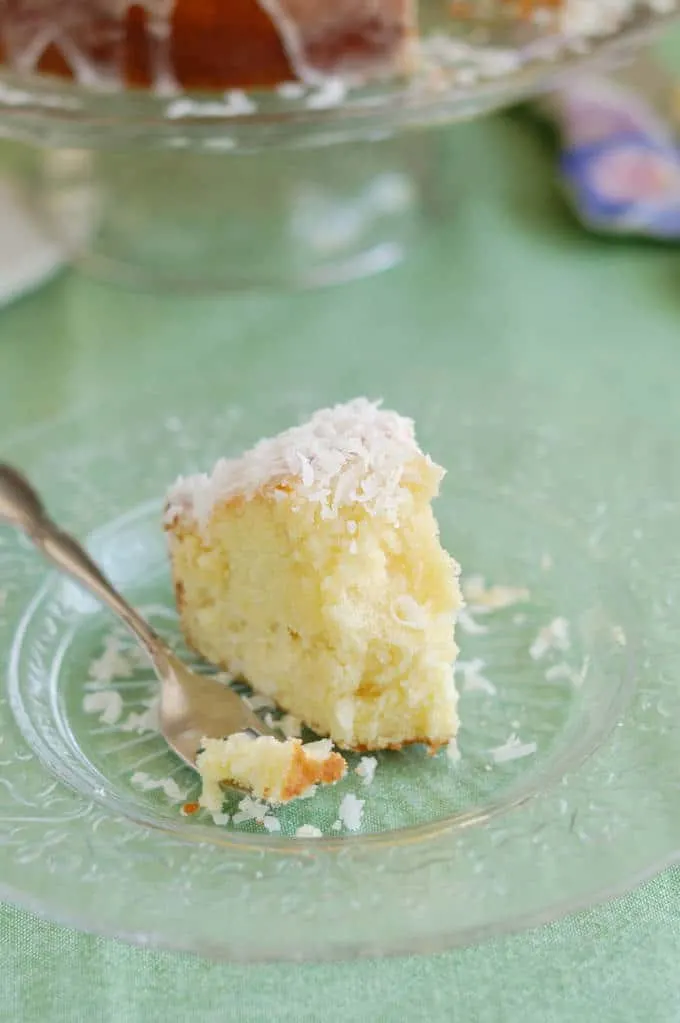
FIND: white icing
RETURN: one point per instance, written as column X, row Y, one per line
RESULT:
column 30, row 30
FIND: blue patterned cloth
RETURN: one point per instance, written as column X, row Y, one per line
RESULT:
column 620, row 162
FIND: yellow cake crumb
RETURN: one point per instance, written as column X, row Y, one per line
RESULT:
column 274, row 771
column 312, row 567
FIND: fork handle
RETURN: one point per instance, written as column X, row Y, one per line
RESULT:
column 22, row 507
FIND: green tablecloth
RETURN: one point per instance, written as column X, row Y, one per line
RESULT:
column 615, row 964
column 612, row 965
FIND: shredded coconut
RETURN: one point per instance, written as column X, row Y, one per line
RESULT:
column 512, row 749
column 618, row 635
column 482, row 599
column 290, row 726
column 351, row 811
column 473, row 680
column 366, row 769
column 291, row 90
column 562, row 672
column 258, row 702
column 107, row 703
column 469, row 625
column 220, row 819
column 319, row 750
column 554, row 636
column 250, row 809
column 169, row 786
column 352, row 454
column 407, row 611
column 145, row 721
column 114, row 663
column 329, row 94
column 452, row 751
column 308, row 831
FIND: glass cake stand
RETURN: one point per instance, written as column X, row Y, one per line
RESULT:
column 232, row 191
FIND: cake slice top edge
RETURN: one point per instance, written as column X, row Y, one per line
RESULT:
column 350, row 454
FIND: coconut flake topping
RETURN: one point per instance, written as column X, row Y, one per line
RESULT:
column 353, row 454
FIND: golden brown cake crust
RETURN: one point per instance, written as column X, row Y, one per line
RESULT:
column 305, row 771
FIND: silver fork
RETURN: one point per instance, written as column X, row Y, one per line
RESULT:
column 191, row 706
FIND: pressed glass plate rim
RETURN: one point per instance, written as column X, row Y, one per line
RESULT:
column 50, row 112
column 159, row 941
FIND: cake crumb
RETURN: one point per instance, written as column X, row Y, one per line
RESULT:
column 308, row 831
column 366, row 769
column 351, row 811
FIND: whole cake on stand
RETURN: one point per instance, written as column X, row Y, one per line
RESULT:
column 189, row 142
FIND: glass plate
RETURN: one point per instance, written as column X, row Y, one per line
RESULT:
column 558, row 482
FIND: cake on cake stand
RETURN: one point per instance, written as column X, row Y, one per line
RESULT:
column 263, row 142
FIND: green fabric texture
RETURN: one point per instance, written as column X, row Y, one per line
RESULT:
column 614, row 964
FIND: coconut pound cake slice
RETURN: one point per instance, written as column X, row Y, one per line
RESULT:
column 312, row 568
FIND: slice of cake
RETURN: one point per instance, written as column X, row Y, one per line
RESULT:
column 274, row 771
column 312, row 568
